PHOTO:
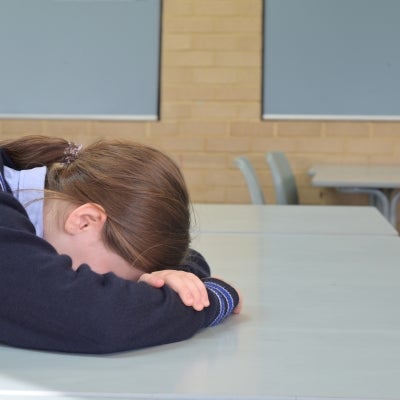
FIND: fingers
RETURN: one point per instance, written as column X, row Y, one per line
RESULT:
column 189, row 287
column 152, row 280
column 193, row 291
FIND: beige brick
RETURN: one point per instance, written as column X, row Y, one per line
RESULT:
column 188, row 24
column 380, row 129
column 250, row 111
column 240, row 93
column 246, row 43
column 188, row 92
column 370, row 146
column 244, row 128
column 229, row 145
column 194, row 177
column 224, row 177
column 351, row 158
column 118, row 128
column 178, row 144
column 249, row 75
column 214, row 110
column 204, row 128
column 320, row 145
column 302, row 162
column 174, row 75
column 227, row 8
column 175, row 111
column 309, row 196
column 396, row 150
column 332, row 196
column 205, row 194
column 203, row 161
column 268, row 143
column 237, row 59
column 7, row 136
column 67, row 128
column 214, row 75
column 299, row 128
column 303, row 179
column 249, row 7
column 189, row 58
column 178, row 41
column 226, row 42
column 179, row 7
column 347, row 128
column 163, row 129
column 208, row 41
column 237, row 196
column 384, row 159
column 239, row 24
column 20, row 127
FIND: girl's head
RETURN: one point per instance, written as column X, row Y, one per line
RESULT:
column 140, row 189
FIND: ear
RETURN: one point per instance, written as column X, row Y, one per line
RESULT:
column 87, row 217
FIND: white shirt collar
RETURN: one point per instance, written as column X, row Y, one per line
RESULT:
column 28, row 187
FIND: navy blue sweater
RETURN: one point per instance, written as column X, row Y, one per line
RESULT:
column 46, row 305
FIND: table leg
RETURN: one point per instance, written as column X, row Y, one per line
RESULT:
column 394, row 201
column 380, row 200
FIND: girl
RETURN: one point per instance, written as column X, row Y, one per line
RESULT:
column 120, row 211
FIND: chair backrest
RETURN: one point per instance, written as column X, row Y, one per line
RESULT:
column 251, row 178
column 284, row 180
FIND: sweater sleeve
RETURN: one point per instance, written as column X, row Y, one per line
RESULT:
column 46, row 305
column 195, row 263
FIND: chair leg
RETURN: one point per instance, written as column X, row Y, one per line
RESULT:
column 393, row 209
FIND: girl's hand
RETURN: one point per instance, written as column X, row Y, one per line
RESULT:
column 189, row 287
column 239, row 307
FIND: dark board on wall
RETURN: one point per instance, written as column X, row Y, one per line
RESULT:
column 331, row 59
column 85, row 59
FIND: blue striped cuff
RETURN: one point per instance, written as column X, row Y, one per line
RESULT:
column 3, row 186
column 225, row 299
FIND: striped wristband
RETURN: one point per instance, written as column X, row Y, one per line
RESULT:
column 225, row 299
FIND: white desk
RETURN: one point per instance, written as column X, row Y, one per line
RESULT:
column 249, row 218
column 378, row 181
column 321, row 320
column 367, row 176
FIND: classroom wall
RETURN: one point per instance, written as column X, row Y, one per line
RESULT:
column 211, row 87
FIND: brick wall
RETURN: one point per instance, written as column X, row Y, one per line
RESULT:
column 211, row 106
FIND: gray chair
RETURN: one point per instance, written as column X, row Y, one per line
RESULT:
column 283, row 178
column 251, row 178
column 394, row 202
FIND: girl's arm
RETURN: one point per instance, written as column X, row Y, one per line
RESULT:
column 44, row 304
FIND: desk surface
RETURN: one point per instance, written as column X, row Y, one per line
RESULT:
column 364, row 176
column 249, row 218
column 320, row 321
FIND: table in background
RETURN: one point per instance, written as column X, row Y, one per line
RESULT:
column 320, row 321
column 378, row 181
column 250, row 218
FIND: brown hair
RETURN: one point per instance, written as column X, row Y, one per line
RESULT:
column 141, row 189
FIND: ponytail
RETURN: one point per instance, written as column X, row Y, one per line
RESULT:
column 35, row 151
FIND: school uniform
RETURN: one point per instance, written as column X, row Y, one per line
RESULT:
column 46, row 305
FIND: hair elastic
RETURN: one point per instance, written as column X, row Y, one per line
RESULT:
column 71, row 153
